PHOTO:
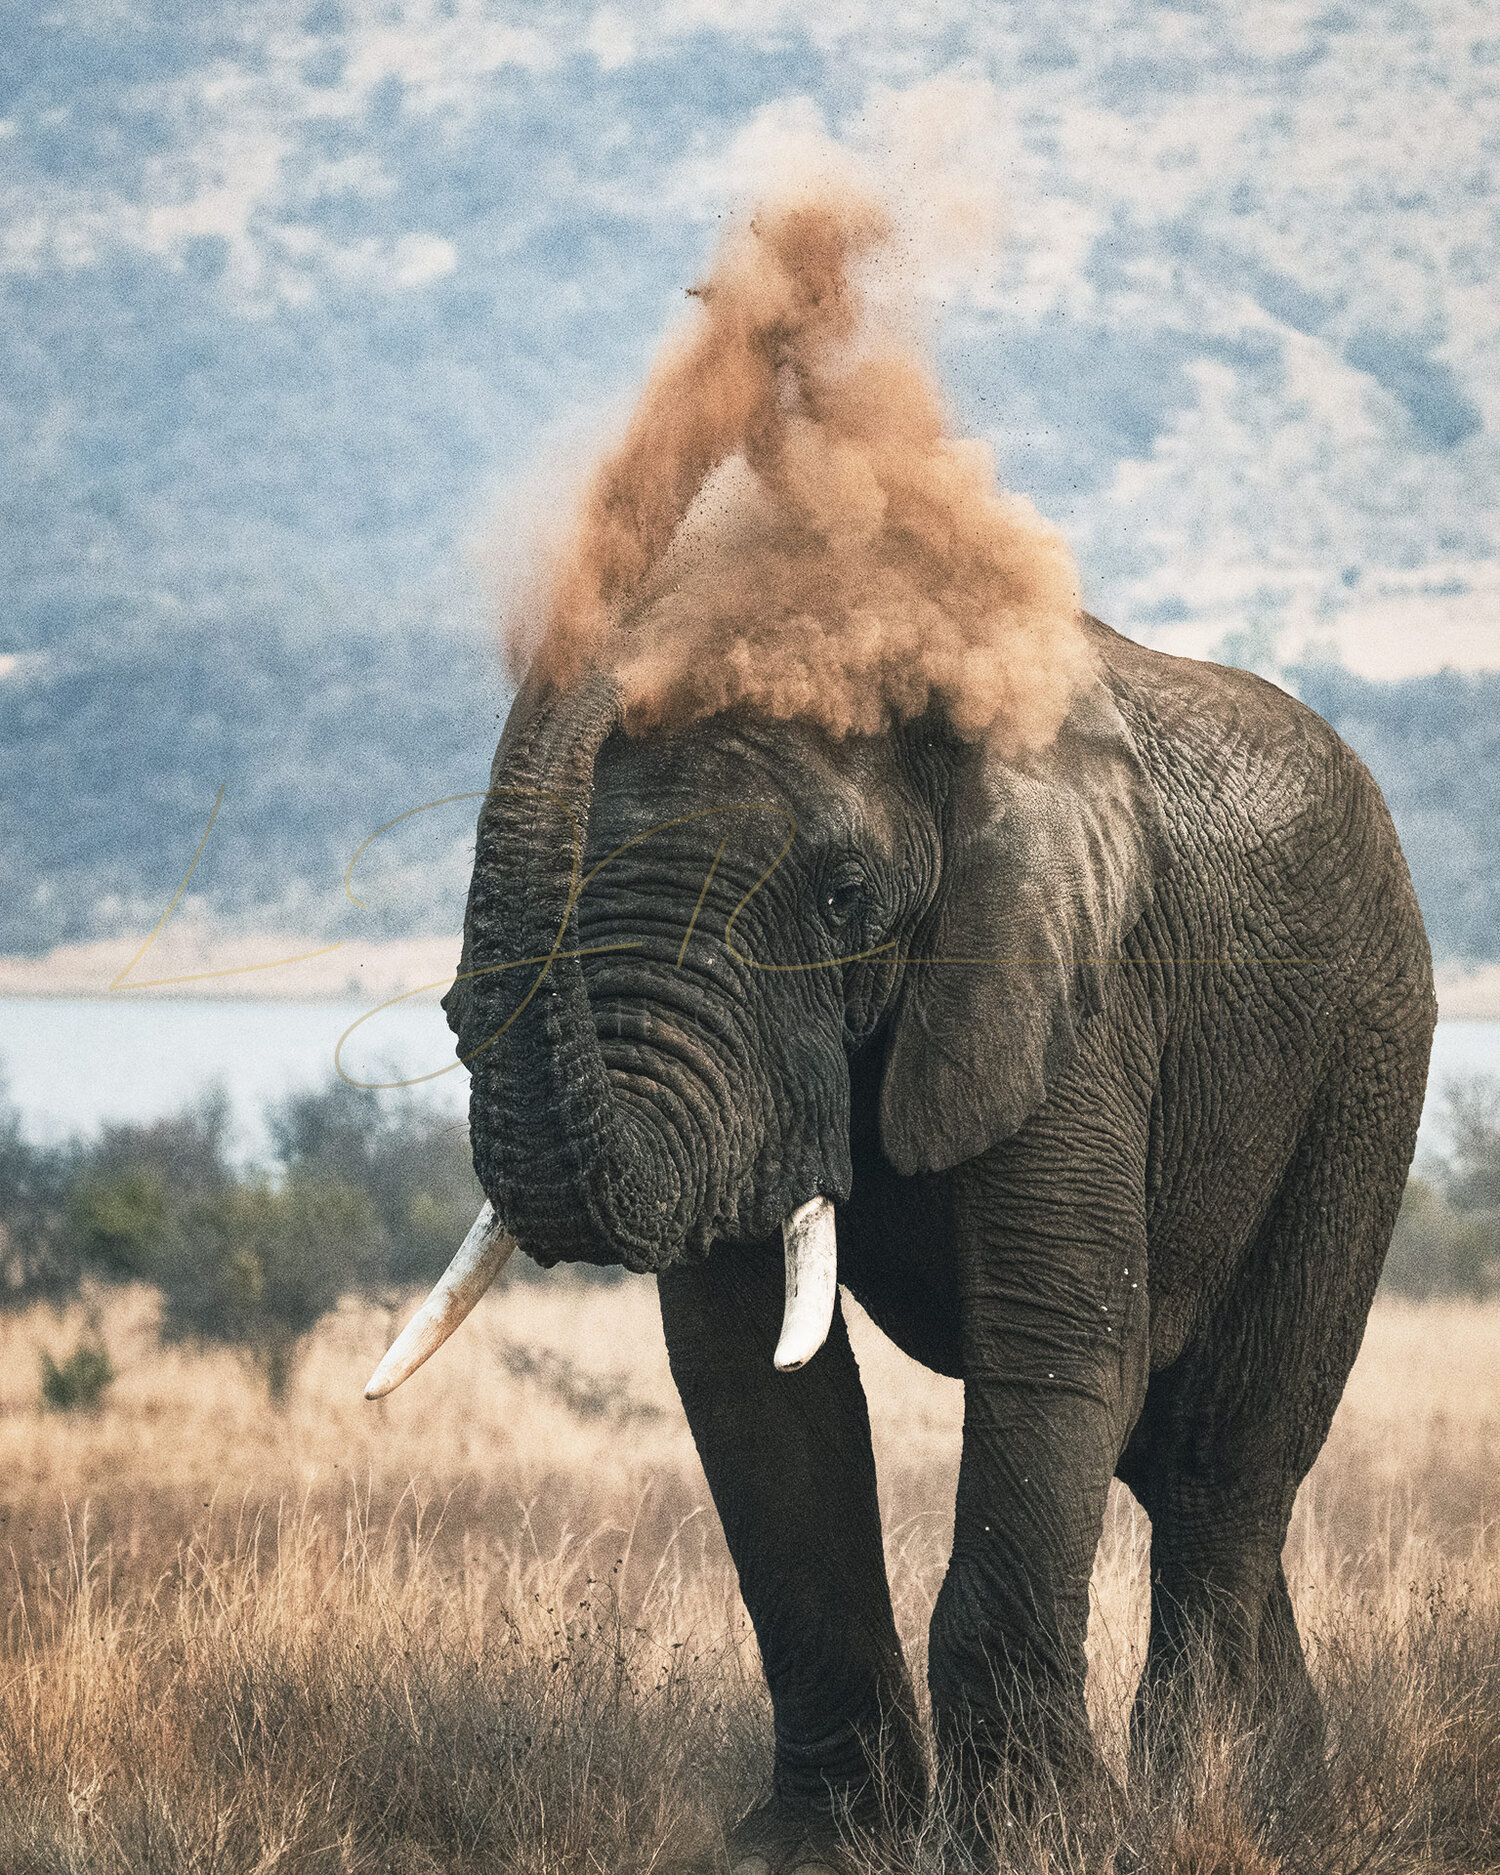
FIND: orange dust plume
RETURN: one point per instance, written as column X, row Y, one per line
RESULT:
column 786, row 525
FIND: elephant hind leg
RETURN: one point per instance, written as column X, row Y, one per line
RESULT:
column 1289, row 1712
column 1233, row 1426
column 1224, row 1646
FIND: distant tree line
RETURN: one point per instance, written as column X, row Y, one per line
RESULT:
column 363, row 1194
column 115, row 739
column 369, row 1194
column 1447, row 1239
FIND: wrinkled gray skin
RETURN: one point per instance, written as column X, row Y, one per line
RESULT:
column 1116, row 1126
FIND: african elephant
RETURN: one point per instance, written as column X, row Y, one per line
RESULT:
column 1109, row 1064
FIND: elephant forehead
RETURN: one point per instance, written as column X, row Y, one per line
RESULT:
column 762, row 781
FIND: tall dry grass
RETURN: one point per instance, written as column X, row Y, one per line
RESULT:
column 491, row 1625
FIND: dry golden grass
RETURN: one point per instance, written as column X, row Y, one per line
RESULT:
column 490, row 1625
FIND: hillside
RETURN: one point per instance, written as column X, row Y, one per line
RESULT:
column 295, row 301
column 114, row 745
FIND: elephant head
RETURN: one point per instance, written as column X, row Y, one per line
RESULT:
column 676, row 941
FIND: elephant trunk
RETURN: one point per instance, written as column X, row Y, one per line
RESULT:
column 579, row 1167
column 579, row 1164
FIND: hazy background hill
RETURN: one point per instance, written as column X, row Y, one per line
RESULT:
column 293, row 300
column 113, row 750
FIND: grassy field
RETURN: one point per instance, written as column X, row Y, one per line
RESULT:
column 490, row 1625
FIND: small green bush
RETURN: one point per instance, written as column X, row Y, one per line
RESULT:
column 79, row 1383
column 1440, row 1249
column 257, row 1265
column 410, row 1159
column 116, row 1218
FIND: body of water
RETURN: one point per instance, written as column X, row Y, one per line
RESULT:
column 71, row 1062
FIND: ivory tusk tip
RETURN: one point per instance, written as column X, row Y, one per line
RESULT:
column 387, row 1377
column 481, row 1256
column 794, row 1351
column 809, row 1235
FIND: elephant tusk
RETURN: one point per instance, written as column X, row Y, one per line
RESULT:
column 481, row 1257
column 812, row 1283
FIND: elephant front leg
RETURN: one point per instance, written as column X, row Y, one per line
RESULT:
column 1054, row 1339
column 1006, row 1662
column 790, row 1466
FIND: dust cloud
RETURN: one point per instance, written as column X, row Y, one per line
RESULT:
column 787, row 525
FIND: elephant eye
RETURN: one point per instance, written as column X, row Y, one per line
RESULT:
column 843, row 900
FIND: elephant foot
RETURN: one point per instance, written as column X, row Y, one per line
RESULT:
column 777, row 1838
column 1062, row 1812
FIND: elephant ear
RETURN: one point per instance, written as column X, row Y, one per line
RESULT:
column 1047, row 864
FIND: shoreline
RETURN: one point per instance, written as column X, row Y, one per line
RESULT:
column 267, row 967
column 283, row 967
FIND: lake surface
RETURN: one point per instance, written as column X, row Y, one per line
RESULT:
column 71, row 1062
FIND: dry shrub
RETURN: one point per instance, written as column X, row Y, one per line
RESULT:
column 492, row 1625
